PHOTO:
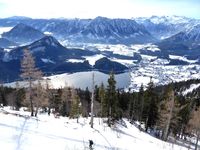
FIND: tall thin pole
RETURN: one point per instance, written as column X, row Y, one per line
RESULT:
column 92, row 102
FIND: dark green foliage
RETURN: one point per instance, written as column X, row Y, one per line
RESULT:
column 88, row 99
column 76, row 107
column 105, row 65
column 3, row 96
column 96, row 93
column 150, row 106
column 141, row 102
column 123, row 101
column 19, row 98
column 12, row 97
column 57, row 104
column 112, row 101
column 102, row 99
column 133, row 106
column 66, row 101
column 64, row 109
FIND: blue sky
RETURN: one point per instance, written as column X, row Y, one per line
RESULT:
column 93, row 8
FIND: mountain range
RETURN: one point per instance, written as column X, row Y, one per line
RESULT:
column 100, row 29
column 50, row 42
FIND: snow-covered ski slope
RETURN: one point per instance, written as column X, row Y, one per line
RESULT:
column 47, row 132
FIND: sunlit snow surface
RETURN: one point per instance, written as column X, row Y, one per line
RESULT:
column 182, row 58
column 48, row 132
column 80, row 80
column 75, row 60
column 93, row 59
column 124, row 49
column 4, row 29
column 84, row 79
column 191, row 88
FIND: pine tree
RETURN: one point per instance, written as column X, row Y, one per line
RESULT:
column 40, row 97
column 49, row 96
column 66, row 101
column 57, row 103
column 124, row 102
column 133, row 107
column 87, row 99
column 29, row 73
column 76, row 106
column 2, row 96
column 19, row 96
column 112, row 99
column 102, row 98
column 166, row 111
column 141, row 102
column 150, row 107
column 184, row 115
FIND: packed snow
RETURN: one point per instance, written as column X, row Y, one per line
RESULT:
column 21, row 132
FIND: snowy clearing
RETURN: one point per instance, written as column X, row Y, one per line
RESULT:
column 125, row 62
column 47, row 132
column 93, row 59
column 149, row 47
column 5, row 29
column 182, row 58
column 75, row 60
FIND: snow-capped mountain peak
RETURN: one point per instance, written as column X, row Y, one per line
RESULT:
column 50, row 40
column 169, row 19
column 166, row 26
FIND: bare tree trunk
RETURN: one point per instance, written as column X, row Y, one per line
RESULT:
column 37, row 107
column 109, row 117
column 30, row 97
column 36, row 111
column 146, row 126
column 92, row 102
